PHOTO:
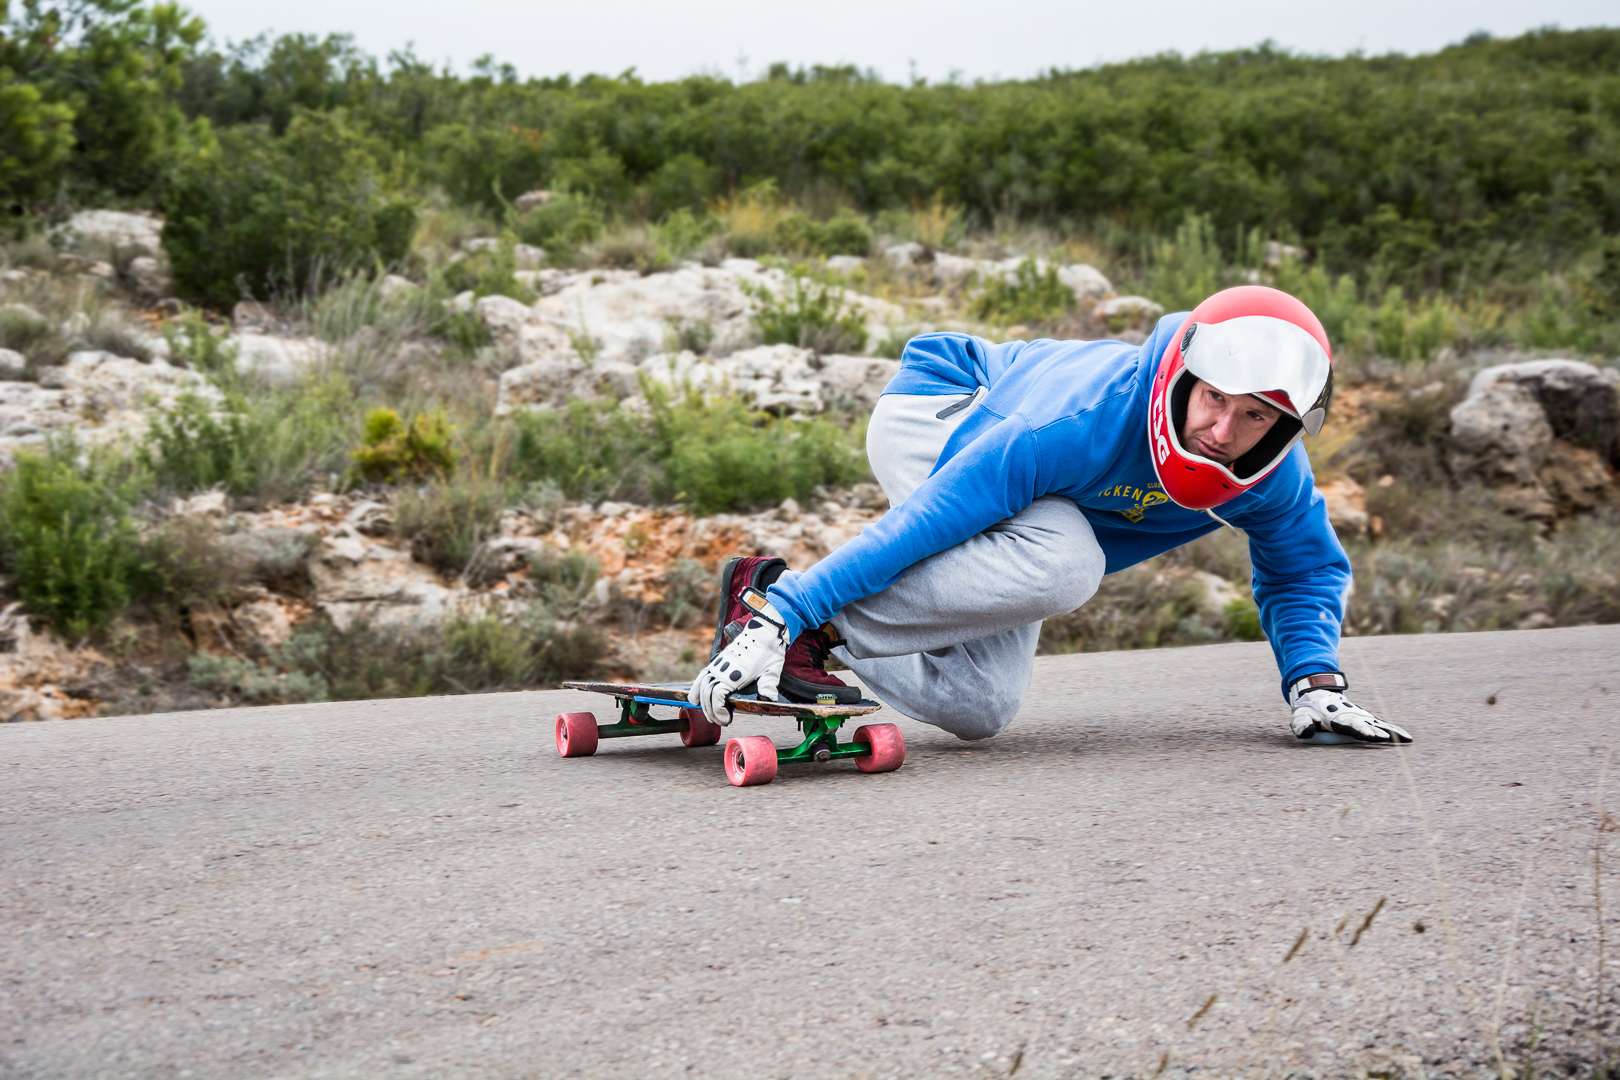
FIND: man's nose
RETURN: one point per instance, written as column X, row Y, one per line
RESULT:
column 1222, row 429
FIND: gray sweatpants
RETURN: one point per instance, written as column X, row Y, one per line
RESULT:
column 952, row 641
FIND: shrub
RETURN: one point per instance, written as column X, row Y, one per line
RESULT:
column 810, row 314
column 1189, row 268
column 710, row 455
column 688, row 591
column 590, row 450
column 465, row 655
column 446, row 521
column 1034, row 296
column 563, row 226
column 193, row 447
column 725, row 456
column 394, row 451
column 195, row 343
column 67, row 545
column 488, row 272
column 845, row 233
column 259, row 214
column 561, row 580
column 24, row 330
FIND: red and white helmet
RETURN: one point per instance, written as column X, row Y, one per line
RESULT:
column 1247, row 340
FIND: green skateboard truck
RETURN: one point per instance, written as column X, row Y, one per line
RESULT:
column 750, row 759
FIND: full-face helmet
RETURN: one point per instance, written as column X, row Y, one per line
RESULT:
column 1246, row 340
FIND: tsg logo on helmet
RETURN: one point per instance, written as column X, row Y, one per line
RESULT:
column 1247, row 340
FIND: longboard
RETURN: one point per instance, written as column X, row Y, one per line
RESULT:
column 750, row 759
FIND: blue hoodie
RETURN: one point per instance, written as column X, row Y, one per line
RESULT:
column 1070, row 418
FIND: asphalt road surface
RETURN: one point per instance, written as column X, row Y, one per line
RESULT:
column 1145, row 876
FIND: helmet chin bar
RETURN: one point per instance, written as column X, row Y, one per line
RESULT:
column 1259, row 460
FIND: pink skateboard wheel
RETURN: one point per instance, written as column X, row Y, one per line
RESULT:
column 750, row 760
column 888, row 748
column 576, row 734
column 698, row 729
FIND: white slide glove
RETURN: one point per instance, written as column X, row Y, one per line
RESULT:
column 755, row 655
column 1328, row 712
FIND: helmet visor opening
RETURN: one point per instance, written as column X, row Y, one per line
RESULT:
column 1260, row 458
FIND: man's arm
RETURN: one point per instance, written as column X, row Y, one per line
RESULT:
column 1301, row 573
column 990, row 480
column 1301, row 579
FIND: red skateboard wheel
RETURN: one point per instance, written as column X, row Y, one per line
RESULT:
column 697, row 729
column 888, row 748
column 576, row 734
column 750, row 760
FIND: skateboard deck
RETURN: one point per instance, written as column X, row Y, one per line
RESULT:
column 750, row 759
column 674, row 694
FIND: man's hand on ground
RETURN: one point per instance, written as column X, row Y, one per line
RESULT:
column 755, row 655
column 1330, row 711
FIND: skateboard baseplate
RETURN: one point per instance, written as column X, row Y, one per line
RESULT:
column 750, row 759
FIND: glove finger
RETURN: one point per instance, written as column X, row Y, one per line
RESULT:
column 1303, row 723
column 694, row 693
column 700, row 690
column 1358, row 728
column 769, row 683
column 1400, row 733
column 714, row 696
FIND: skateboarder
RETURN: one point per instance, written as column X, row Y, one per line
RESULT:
column 1018, row 475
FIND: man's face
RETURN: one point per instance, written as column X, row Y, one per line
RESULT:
column 1224, row 427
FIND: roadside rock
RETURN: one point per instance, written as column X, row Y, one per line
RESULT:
column 1087, row 281
column 1128, row 312
column 116, row 229
column 1544, row 432
column 907, row 254
column 1346, row 506
column 13, row 365
column 101, row 396
column 592, row 329
column 151, row 276
column 855, row 382
column 279, row 360
column 530, row 200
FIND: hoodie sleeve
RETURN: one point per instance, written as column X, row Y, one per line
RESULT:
column 990, row 480
column 1301, row 573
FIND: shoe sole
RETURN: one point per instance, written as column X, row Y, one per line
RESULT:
column 805, row 693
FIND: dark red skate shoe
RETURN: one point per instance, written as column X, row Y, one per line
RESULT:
column 804, row 671
column 757, row 571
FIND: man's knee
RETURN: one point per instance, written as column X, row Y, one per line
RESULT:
column 977, row 720
column 971, row 709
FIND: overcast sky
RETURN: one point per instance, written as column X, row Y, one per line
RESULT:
column 1005, row 38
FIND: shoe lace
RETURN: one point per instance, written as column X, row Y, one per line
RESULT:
column 817, row 648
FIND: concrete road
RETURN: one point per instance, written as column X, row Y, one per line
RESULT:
column 1145, row 876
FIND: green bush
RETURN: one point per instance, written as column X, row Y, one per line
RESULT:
column 394, row 451
column 24, row 330
column 810, row 314
column 724, row 456
column 563, row 226
column 1185, row 270
column 710, row 455
column 1034, row 296
column 269, row 445
column 466, row 655
column 490, row 272
column 194, row 446
column 445, row 522
column 590, row 450
column 260, row 215
column 845, row 233
column 67, row 546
